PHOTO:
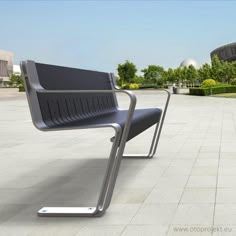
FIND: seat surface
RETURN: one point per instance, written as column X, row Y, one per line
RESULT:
column 142, row 120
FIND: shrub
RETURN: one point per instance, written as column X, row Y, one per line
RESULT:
column 213, row 90
column 130, row 86
column 199, row 91
column 233, row 81
column 15, row 81
column 208, row 83
column 21, row 89
column 124, row 86
column 147, row 86
column 133, row 86
column 138, row 80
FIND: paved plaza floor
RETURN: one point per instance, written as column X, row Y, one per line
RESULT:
column 188, row 188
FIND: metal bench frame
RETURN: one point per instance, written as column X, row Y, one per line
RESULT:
column 117, row 151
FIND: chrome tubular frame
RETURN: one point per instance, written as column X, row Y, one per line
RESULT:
column 113, row 165
column 157, row 131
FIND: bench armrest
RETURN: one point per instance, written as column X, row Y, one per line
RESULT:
column 158, row 127
column 164, row 111
column 167, row 99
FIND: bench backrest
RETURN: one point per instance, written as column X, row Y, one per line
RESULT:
column 51, row 110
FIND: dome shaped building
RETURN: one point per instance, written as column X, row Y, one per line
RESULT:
column 189, row 61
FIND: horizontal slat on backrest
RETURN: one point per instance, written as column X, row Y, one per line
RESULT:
column 58, row 77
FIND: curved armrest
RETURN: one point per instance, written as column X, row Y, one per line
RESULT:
column 167, row 102
column 165, row 110
column 159, row 125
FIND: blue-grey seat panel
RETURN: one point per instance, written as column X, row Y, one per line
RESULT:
column 142, row 120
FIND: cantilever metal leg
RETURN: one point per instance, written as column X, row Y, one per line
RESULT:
column 106, row 190
column 153, row 146
column 112, row 169
column 156, row 135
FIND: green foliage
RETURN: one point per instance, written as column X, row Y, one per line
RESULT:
column 16, row 81
column 199, row 91
column 130, row 86
column 21, row 89
column 127, row 72
column 154, row 74
column 124, row 86
column 208, row 83
column 170, row 75
column 146, row 86
column 133, row 86
column 138, row 79
column 217, row 69
column 192, row 75
column 204, row 72
column 223, row 71
column 233, row 81
column 213, row 90
column 178, row 74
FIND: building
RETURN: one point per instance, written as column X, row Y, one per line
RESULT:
column 6, row 66
column 226, row 52
column 189, row 61
column 16, row 70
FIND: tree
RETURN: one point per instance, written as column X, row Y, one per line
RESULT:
column 178, row 75
column 220, row 71
column 170, row 75
column 192, row 74
column 154, row 74
column 228, row 71
column 127, row 72
column 217, row 69
column 205, row 72
column 183, row 74
column 233, row 69
column 16, row 81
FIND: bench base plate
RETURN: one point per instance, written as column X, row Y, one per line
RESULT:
column 67, row 211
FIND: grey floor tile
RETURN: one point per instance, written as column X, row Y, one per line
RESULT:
column 104, row 230
column 225, row 214
column 117, row 214
column 198, row 195
column 195, row 214
column 131, row 195
column 141, row 230
column 201, row 182
column 226, row 196
column 226, row 181
column 205, row 171
column 172, row 181
column 164, row 195
column 155, row 214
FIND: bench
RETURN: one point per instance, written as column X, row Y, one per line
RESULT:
column 62, row 98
